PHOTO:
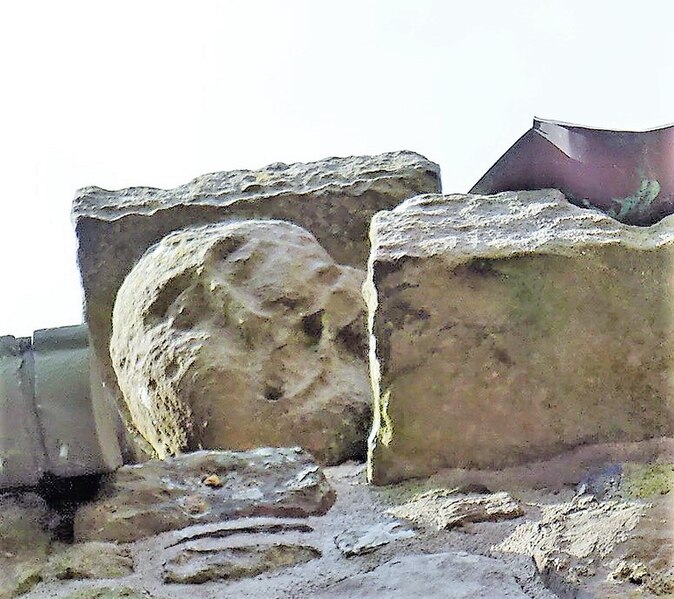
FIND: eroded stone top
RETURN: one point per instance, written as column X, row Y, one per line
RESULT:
column 330, row 175
column 464, row 227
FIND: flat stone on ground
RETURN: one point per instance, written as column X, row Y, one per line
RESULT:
column 157, row 496
column 436, row 576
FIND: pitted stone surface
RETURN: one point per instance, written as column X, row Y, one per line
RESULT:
column 508, row 328
column 334, row 199
column 240, row 335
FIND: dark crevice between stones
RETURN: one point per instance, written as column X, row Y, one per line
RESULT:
column 255, row 529
column 64, row 496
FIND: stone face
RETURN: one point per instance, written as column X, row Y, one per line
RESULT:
column 196, row 566
column 333, row 198
column 157, row 496
column 241, row 335
column 438, row 575
column 508, row 328
column 444, row 510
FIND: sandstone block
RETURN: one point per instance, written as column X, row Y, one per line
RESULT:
column 507, row 328
column 241, row 335
column 333, row 198
column 160, row 495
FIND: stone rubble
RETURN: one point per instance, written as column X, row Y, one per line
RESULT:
column 519, row 352
column 444, row 510
column 366, row 540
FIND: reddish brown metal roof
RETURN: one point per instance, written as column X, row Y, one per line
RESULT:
column 628, row 174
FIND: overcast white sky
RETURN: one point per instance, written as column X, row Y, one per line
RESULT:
column 148, row 92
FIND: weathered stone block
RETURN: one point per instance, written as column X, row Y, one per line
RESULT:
column 22, row 459
column 334, row 199
column 49, row 419
column 160, row 495
column 78, row 433
column 508, row 328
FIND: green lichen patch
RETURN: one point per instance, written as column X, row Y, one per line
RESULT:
column 26, row 578
column 642, row 481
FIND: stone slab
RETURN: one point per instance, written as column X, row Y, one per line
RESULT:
column 508, row 328
column 161, row 495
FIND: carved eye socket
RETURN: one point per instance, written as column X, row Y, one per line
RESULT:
column 312, row 325
column 273, row 393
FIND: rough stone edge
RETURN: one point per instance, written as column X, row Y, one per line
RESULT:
column 229, row 187
column 634, row 237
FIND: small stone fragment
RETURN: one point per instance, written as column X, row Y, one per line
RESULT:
column 603, row 483
column 630, row 571
column 444, row 509
column 213, row 481
column 362, row 541
column 196, row 566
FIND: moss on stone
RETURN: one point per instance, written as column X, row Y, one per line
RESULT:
column 26, row 578
column 108, row 593
column 641, row 481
